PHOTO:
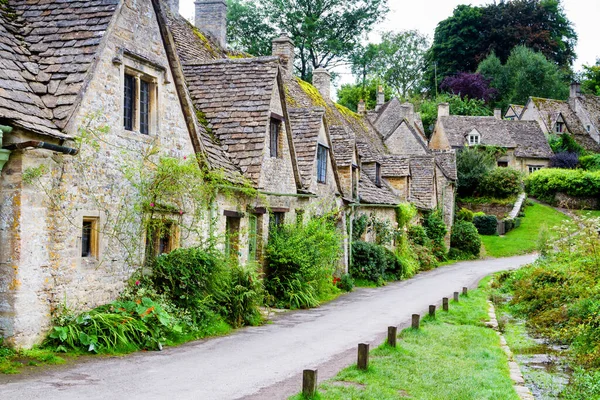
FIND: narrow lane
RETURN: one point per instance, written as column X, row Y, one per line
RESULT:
column 258, row 362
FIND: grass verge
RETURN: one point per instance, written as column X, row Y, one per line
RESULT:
column 13, row 361
column 523, row 239
column 453, row 356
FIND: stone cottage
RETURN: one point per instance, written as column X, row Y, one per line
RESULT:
column 526, row 147
column 513, row 112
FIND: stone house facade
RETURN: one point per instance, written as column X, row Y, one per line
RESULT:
column 96, row 94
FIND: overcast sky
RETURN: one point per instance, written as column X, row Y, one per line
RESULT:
column 424, row 16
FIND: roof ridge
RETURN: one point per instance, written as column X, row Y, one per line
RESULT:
column 253, row 60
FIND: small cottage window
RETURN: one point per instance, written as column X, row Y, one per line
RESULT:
column 321, row 164
column 144, row 107
column 560, row 127
column 232, row 229
column 138, row 102
column 129, row 102
column 162, row 238
column 89, row 237
column 275, row 130
column 503, row 164
column 533, row 168
column 588, row 128
column 378, row 174
column 474, row 139
column 354, row 181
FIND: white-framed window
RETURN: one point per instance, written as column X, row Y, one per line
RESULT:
column 533, row 168
column 559, row 127
column 474, row 138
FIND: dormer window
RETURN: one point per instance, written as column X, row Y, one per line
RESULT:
column 378, row 174
column 474, row 138
column 321, row 164
column 559, row 127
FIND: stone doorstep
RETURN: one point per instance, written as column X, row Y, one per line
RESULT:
column 515, row 372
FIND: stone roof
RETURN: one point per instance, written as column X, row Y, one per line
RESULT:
column 531, row 140
column 46, row 52
column 395, row 166
column 234, row 98
column 420, row 191
column 306, row 124
column 343, row 145
column 369, row 193
column 517, row 109
column 493, row 131
column 592, row 106
column 446, row 161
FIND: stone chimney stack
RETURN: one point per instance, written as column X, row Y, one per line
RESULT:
column 443, row 110
column 575, row 90
column 322, row 81
column 283, row 47
column 362, row 107
column 380, row 98
column 211, row 18
column 498, row 113
column 174, row 6
column 408, row 110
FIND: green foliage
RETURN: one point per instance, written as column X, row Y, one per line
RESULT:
column 382, row 228
column 375, row 263
column 418, row 236
column 300, row 261
column 427, row 260
column 435, row 228
column 590, row 163
column 526, row 73
column 464, row 214
column 501, row 183
column 428, row 108
column 473, row 165
column 565, row 144
column 248, row 29
column 486, row 224
column 349, row 95
column 590, row 83
column 405, row 213
column 345, row 283
column 465, row 238
column 244, row 296
column 359, row 226
column 545, row 183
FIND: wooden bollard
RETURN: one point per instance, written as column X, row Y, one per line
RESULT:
column 432, row 311
column 363, row 356
column 465, row 291
column 392, row 335
column 445, row 304
column 415, row 321
column 455, row 296
column 309, row 382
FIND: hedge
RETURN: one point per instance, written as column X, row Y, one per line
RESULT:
column 464, row 237
column 486, row 224
column 545, row 183
column 501, row 183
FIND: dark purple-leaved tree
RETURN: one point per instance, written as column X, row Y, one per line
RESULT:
column 473, row 86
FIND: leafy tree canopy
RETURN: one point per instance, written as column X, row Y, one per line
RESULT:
column 474, row 86
column 590, row 83
column 349, row 95
column 458, row 106
column 248, row 29
column 466, row 38
column 325, row 32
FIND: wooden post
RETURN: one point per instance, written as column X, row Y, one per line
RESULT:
column 465, row 291
column 392, row 335
column 415, row 321
column 309, row 382
column 432, row 311
column 363, row 356
column 455, row 296
column 445, row 304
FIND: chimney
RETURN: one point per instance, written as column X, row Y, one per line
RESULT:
column 443, row 110
column 575, row 90
column 174, row 6
column 498, row 113
column 283, row 47
column 408, row 110
column 211, row 18
column 362, row 107
column 322, row 81
column 380, row 98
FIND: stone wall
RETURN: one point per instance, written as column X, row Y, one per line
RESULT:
column 499, row 210
column 576, row 203
column 402, row 141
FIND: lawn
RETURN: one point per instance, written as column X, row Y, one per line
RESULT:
column 523, row 239
column 451, row 357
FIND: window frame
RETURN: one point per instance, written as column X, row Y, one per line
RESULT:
column 533, row 168
column 322, row 159
column 94, row 238
column 171, row 230
column 275, row 136
column 378, row 174
column 474, row 139
column 558, row 127
column 140, row 107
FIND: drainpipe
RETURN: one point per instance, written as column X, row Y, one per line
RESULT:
column 4, row 154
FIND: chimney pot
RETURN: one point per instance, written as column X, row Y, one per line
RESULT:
column 380, row 98
column 408, row 111
column 443, row 110
column 322, row 81
column 575, row 90
column 211, row 18
column 283, row 47
column 498, row 113
column 362, row 107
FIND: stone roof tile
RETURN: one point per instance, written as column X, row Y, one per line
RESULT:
column 306, row 124
column 420, row 191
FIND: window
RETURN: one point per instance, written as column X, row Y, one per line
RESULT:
column 560, row 127
column 144, row 107
column 162, row 238
column 129, row 102
column 274, row 137
column 138, row 103
column 533, row 168
column 89, row 237
column 252, row 237
column 354, row 181
column 503, row 164
column 588, row 128
column 232, row 229
column 378, row 174
column 473, row 139
column 321, row 164
column 277, row 219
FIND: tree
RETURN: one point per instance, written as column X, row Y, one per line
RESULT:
column 472, row 165
column 526, row 73
column 401, row 60
column 248, row 29
column 463, row 40
column 349, row 95
column 325, row 32
column 473, row 86
column 363, row 62
column 590, row 83
column 428, row 108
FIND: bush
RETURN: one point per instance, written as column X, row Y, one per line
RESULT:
column 501, row 183
column 418, row 236
column 545, row 183
column 405, row 212
column 565, row 160
column 472, row 164
column 486, row 224
column 465, row 238
column 434, row 226
column 565, row 143
column 345, row 283
column 426, row 258
column 300, row 261
column 590, row 163
column 464, row 215
column 369, row 261
column 244, row 297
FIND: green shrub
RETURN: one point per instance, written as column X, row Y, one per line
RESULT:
column 369, row 261
column 434, row 225
column 545, row 183
column 486, row 224
column 464, row 215
column 501, row 183
column 359, row 226
column 244, row 296
column 345, row 283
column 405, row 212
column 300, row 261
column 590, row 163
column 418, row 236
column 472, row 165
column 465, row 238
column 425, row 256
column 564, row 143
